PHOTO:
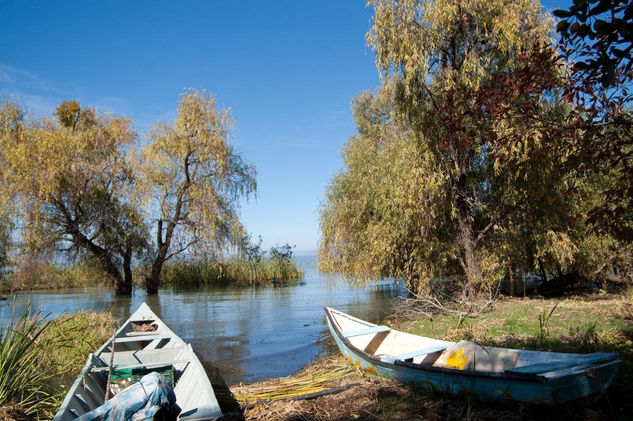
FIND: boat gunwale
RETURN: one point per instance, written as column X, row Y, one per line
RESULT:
column 191, row 356
column 142, row 310
column 536, row 378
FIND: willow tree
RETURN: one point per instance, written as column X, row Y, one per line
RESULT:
column 385, row 214
column 193, row 180
column 443, row 61
column 68, row 185
column 447, row 53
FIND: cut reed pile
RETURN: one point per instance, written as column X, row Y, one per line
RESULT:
column 320, row 377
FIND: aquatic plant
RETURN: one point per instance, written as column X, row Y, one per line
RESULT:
column 22, row 381
column 194, row 273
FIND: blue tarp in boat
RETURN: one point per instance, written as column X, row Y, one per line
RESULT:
column 140, row 401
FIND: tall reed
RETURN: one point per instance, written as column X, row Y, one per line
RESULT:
column 194, row 273
column 22, row 381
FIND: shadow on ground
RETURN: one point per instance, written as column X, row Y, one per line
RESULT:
column 228, row 404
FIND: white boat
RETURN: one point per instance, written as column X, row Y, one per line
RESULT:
column 157, row 348
column 456, row 367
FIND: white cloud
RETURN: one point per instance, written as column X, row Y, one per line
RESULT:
column 40, row 97
column 24, row 80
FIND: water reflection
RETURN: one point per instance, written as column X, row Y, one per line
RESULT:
column 248, row 334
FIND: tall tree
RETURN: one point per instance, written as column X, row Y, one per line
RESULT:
column 68, row 181
column 447, row 54
column 466, row 162
column 193, row 179
column 386, row 213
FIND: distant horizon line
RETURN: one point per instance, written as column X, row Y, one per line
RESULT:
column 301, row 253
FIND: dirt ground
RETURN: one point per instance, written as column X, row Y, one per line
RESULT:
column 12, row 413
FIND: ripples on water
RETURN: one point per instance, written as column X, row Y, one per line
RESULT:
column 248, row 334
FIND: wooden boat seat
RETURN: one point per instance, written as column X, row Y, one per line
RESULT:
column 140, row 365
column 142, row 338
column 580, row 361
column 140, row 333
column 420, row 352
column 365, row 331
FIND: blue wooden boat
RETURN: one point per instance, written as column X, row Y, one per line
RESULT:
column 465, row 367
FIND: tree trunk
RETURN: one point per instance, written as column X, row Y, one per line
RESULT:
column 119, row 282
column 162, row 243
column 153, row 281
column 125, row 286
column 541, row 267
column 413, row 285
column 122, row 284
column 468, row 260
column 512, row 279
column 413, row 279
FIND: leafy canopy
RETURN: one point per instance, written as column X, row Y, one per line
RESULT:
column 192, row 180
column 460, row 167
column 69, row 182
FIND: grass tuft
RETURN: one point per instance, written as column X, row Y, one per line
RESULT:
column 65, row 345
column 23, row 383
column 40, row 357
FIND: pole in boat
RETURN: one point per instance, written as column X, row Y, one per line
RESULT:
column 107, row 391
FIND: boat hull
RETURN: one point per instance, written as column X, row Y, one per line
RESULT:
column 144, row 350
column 487, row 386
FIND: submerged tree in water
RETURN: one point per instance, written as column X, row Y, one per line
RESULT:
column 193, row 180
column 68, row 181
column 76, row 183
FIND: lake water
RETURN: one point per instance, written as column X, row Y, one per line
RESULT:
column 247, row 334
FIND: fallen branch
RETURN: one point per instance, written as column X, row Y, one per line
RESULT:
column 430, row 306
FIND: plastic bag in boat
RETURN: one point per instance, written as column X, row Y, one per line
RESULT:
column 140, row 401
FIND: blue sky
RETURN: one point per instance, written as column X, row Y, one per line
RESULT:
column 287, row 69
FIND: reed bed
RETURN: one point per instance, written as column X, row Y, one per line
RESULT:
column 65, row 345
column 23, row 383
column 38, row 356
column 206, row 272
column 30, row 276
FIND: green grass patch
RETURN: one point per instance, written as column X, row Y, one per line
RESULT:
column 66, row 343
column 584, row 324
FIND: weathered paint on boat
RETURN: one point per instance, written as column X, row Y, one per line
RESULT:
column 538, row 377
column 193, row 390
